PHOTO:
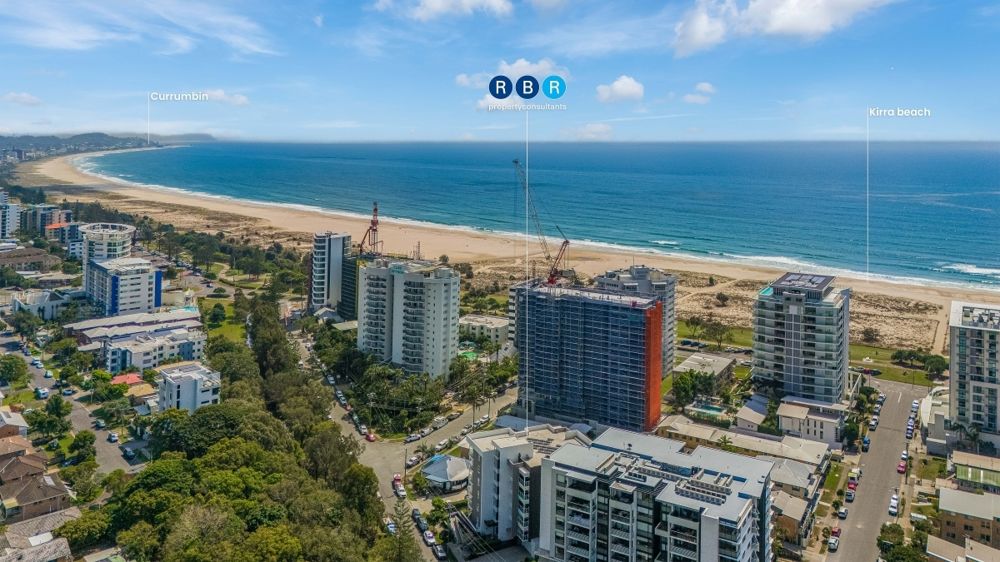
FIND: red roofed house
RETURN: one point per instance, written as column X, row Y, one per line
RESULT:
column 127, row 378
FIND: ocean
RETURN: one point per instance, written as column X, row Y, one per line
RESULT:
column 934, row 207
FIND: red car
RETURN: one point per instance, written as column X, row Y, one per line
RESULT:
column 901, row 467
column 370, row 436
column 852, row 485
column 835, row 532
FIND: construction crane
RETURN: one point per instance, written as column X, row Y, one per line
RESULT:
column 555, row 272
column 370, row 244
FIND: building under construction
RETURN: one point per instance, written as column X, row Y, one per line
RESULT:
column 590, row 355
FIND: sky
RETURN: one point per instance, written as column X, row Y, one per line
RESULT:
column 402, row 70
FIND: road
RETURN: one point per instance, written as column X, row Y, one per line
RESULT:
column 109, row 456
column 880, row 479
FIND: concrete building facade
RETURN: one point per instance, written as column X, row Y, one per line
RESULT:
column 187, row 386
column 326, row 275
column 495, row 328
column 973, row 331
column 408, row 314
column 801, row 336
column 124, row 285
column 591, row 355
column 146, row 351
column 631, row 497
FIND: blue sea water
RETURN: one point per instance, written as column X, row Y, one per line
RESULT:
column 934, row 207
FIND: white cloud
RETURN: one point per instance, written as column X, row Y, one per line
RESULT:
column 603, row 32
column 231, row 99
column 426, row 10
column 593, row 132
column 625, row 88
column 51, row 24
column 382, row 5
column 705, row 88
column 541, row 69
column 696, row 98
column 318, row 20
column 711, row 22
column 21, row 98
column 548, row 4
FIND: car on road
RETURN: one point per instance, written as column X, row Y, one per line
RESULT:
column 99, row 424
column 866, row 444
column 836, row 531
column 894, row 505
column 455, row 415
column 411, row 438
column 48, row 374
column 415, row 513
column 852, row 485
column 390, row 527
column 849, row 495
column 370, row 437
column 901, row 467
column 362, row 429
column 439, row 552
column 441, row 445
column 412, row 461
column 904, row 455
column 69, row 391
column 429, row 539
column 422, row 524
column 842, row 513
column 400, row 490
column 833, row 544
column 129, row 454
column 112, row 437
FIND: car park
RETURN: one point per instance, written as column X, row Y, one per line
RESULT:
column 429, row 539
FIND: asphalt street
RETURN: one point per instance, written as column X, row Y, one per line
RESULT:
column 879, row 477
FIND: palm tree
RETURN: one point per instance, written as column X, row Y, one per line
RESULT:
column 725, row 443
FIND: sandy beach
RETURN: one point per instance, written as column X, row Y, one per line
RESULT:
column 906, row 315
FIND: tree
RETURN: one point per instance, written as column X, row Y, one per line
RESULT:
column 401, row 546
column 851, row 432
column 58, row 407
column 718, row 332
column 329, row 453
column 905, row 554
column 218, row 314
column 443, row 258
column 88, row 530
column 140, row 542
column 725, row 443
column 870, row 335
column 83, row 444
column 359, row 487
column 25, row 324
column 891, row 535
column 935, row 365
column 13, row 370
column 722, row 299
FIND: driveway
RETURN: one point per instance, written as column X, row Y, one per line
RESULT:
column 880, row 479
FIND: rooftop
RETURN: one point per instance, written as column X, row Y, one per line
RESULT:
column 940, row 549
column 544, row 439
column 491, row 321
column 705, row 363
column 803, row 281
column 976, row 468
column 980, row 506
column 789, row 505
column 813, row 453
column 601, row 295
column 124, row 264
column 189, row 371
column 973, row 315
column 138, row 319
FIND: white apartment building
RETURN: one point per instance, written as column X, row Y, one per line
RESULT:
column 124, row 285
column 408, row 314
column 495, row 328
column 326, row 275
column 632, row 497
column 150, row 350
column 505, row 483
column 801, row 336
column 104, row 241
column 811, row 419
column 10, row 217
column 974, row 331
column 643, row 280
column 187, row 386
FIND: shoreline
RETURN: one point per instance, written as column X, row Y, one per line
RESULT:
column 498, row 254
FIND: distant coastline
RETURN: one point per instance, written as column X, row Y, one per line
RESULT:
column 502, row 255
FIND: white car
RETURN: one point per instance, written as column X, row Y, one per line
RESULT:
column 894, row 505
column 904, row 456
column 400, row 490
column 833, row 544
column 429, row 539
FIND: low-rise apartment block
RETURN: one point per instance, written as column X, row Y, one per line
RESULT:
column 967, row 515
column 494, row 328
column 812, row 419
column 187, row 386
column 146, row 351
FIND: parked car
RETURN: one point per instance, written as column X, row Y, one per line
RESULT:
column 400, row 491
column 53, row 445
column 370, row 437
column 422, row 524
column 429, row 539
column 411, row 438
column 439, row 552
column 128, row 453
column 852, row 485
column 836, row 531
column 455, row 415
column 441, row 445
column 390, row 527
column 849, row 496
column 113, row 437
column 415, row 513
column 69, row 391
column 99, row 424
column 901, row 467
column 866, row 444
column 362, row 429
column 894, row 505
column 48, row 374
column 905, row 455
column 842, row 513
column 833, row 544
column 412, row 461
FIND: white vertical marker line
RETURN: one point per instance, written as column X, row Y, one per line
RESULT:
column 867, row 196
column 147, row 119
column 527, row 273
